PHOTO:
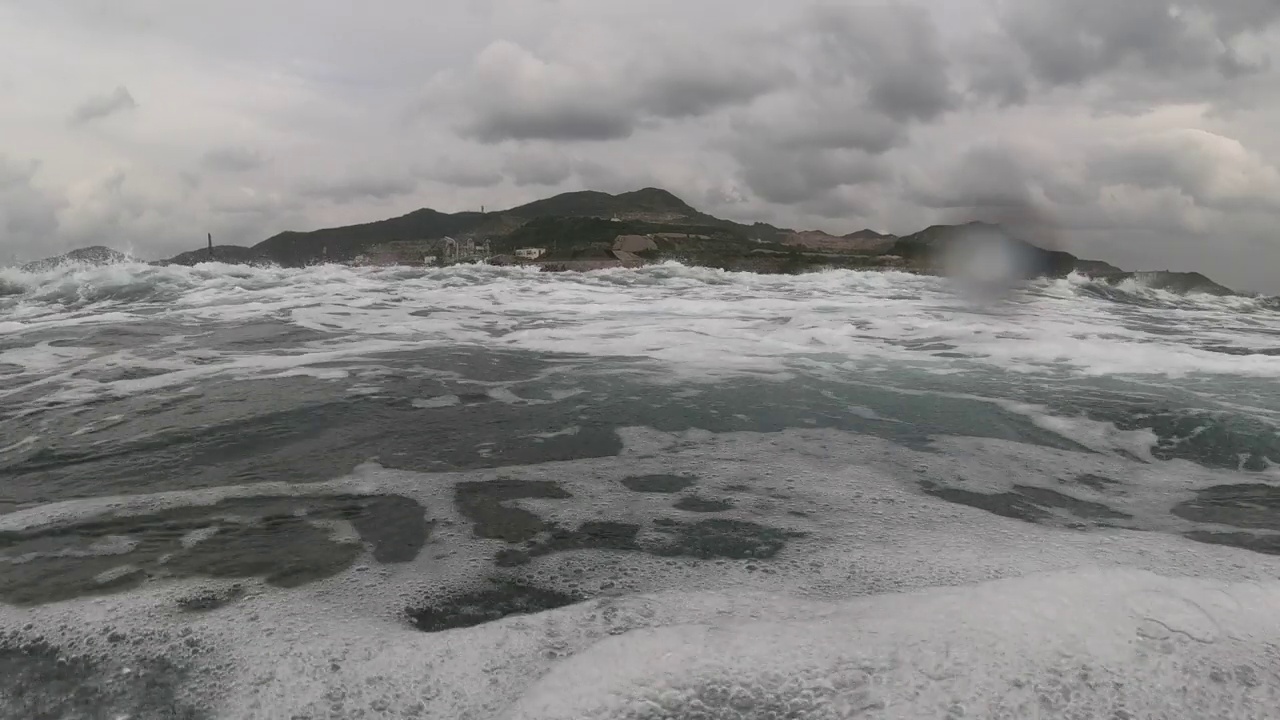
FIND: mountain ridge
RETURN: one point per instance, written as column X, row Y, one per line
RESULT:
column 581, row 226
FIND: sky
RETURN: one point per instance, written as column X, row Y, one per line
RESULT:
column 1139, row 132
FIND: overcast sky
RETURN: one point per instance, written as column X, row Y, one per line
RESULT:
column 1136, row 131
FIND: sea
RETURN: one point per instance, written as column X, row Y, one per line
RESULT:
column 674, row 492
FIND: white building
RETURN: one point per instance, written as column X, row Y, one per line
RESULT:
column 531, row 253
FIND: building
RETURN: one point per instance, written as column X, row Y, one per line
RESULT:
column 530, row 253
column 465, row 249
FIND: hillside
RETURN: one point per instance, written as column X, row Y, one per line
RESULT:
column 862, row 242
column 94, row 255
column 638, row 211
column 929, row 248
column 581, row 227
column 648, row 204
column 230, row 254
column 345, row 243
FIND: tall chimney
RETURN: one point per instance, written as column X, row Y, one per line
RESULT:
column 210, row 243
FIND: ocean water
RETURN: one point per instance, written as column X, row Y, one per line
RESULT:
column 475, row 492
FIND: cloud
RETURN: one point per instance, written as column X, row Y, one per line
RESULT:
column 818, row 120
column 512, row 93
column 870, row 74
column 1211, row 170
column 531, row 167
column 788, row 177
column 28, row 215
column 231, row 159
column 988, row 177
column 354, row 188
column 102, row 106
column 892, row 53
column 466, row 177
column 1071, row 41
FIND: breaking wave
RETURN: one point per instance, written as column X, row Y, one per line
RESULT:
column 77, row 284
column 688, row 318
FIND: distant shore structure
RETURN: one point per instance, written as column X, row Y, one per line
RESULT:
column 530, row 253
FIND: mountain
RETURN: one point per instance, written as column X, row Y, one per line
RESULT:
column 1178, row 282
column 648, row 204
column 869, row 234
column 95, row 255
column 933, row 248
column 345, row 243
column 863, row 241
column 581, row 226
column 563, row 216
column 230, row 254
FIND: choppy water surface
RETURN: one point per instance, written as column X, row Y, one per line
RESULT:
column 478, row 492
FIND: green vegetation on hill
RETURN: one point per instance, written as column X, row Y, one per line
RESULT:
column 583, row 225
column 345, row 243
column 590, row 203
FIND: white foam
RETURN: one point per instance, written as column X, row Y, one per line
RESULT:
column 1087, row 643
column 1096, row 435
column 1146, row 610
column 694, row 321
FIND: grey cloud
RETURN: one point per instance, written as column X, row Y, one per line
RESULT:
column 614, row 178
column 359, row 187
column 996, row 72
column 113, row 214
column 468, row 178
column 1233, row 17
column 1233, row 65
column 987, row 176
column 460, row 172
column 513, row 94
column 820, row 120
column 801, row 149
column 538, row 168
column 551, row 120
column 998, row 176
column 28, row 215
column 837, row 204
column 693, row 86
column 101, row 106
column 1153, row 201
column 893, row 50
column 831, row 129
column 871, row 72
column 1070, row 41
column 123, row 214
column 233, row 159
column 1214, row 171
column 246, row 202
column 791, row 177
